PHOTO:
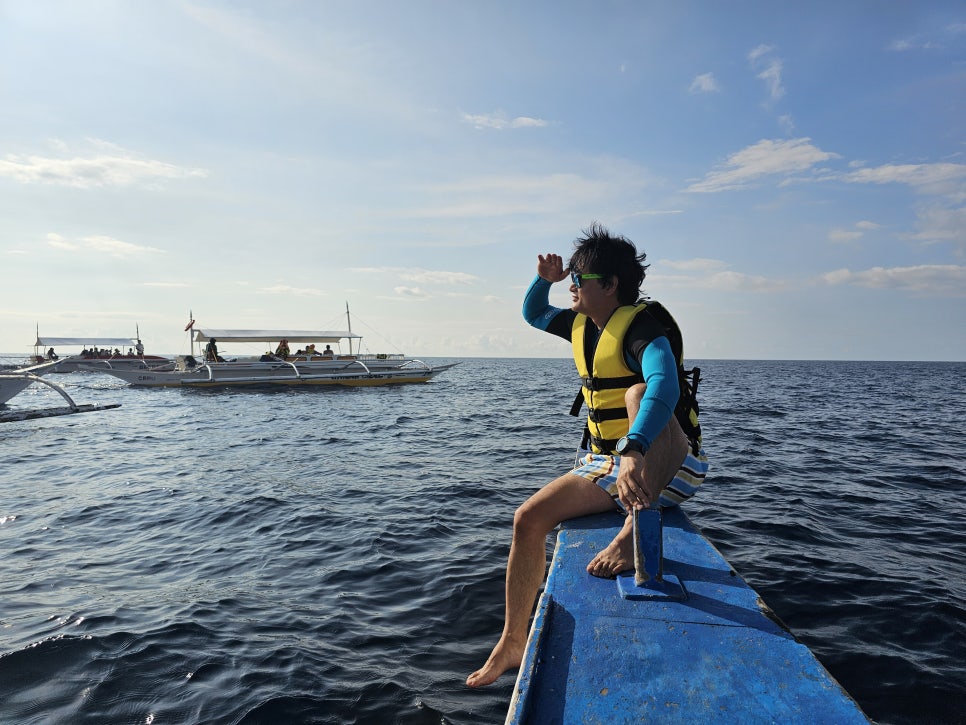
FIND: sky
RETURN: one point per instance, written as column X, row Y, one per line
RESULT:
column 795, row 172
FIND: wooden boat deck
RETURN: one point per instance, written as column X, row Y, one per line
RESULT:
column 718, row 655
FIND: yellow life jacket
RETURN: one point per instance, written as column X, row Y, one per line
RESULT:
column 605, row 384
column 603, row 387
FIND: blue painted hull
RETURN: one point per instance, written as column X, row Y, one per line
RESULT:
column 717, row 656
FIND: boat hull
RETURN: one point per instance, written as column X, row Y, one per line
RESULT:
column 261, row 374
column 717, row 654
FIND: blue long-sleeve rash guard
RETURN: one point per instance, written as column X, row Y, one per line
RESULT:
column 656, row 361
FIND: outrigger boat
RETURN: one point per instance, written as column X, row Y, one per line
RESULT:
column 302, row 367
column 14, row 382
column 123, row 353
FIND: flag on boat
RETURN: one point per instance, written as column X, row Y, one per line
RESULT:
column 189, row 325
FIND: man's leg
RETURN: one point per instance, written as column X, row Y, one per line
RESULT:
column 661, row 463
column 565, row 498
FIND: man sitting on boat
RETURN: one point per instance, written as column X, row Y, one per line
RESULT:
column 282, row 350
column 644, row 449
column 327, row 352
column 211, row 352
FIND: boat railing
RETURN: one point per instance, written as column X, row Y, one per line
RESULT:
column 360, row 364
column 415, row 363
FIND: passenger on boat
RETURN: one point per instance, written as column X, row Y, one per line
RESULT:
column 139, row 347
column 282, row 349
column 327, row 352
column 211, row 352
column 51, row 355
column 310, row 350
column 638, row 455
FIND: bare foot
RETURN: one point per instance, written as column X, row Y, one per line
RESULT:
column 505, row 656
column 618, row 556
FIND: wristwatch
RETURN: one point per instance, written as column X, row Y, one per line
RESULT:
column 625, row 445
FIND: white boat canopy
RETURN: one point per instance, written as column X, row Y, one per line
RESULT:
column 85, row 341
column 273, row 335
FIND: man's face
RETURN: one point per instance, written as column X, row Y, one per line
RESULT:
column 587, row 293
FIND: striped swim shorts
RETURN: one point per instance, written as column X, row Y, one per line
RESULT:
column 603, row 469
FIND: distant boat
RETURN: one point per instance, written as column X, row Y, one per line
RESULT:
column 125, row 353
column 304, row 366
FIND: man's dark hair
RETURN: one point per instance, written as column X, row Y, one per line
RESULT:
column 597, row 251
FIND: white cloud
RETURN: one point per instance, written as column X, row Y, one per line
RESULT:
column 914, row 43
column 653, row 212
column 938, row 223
column 698, row 265
column 165, row 284
column 107, row 166
column 729, row 281
column 713, row 274
column 281, row 289
column 411, row 292
column 842, row 235
column 499, row 121
column 100, row 245
column 488, row 196
column 705, row 83
column 772, row 75
column 426, row 276
column 939, row 179
column 765, row 158
column 848, row 235
column 115, row 247
column 931, row 279
column 527, row 122
column 769, row 70
column 422, row 276
column 58, row 242
column 758, row 52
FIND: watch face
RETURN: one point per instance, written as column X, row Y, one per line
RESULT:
column 626, row 444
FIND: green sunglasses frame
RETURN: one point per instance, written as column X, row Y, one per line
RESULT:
column 578, row 279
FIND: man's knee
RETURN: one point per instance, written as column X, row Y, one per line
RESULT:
column 633, row 398
column 528, row 521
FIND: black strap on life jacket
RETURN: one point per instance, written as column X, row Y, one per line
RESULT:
column 596, row 384
column 599, row 415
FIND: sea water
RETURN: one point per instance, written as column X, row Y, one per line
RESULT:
column 336, row 555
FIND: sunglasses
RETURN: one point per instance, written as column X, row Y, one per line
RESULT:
column 578, row 279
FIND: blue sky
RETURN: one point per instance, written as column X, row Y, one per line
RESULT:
column 796, row 172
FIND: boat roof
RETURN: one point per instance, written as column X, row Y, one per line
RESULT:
column 208, row 333
column 85, row 341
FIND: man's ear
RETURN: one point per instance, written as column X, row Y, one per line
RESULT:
column 609, row 285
